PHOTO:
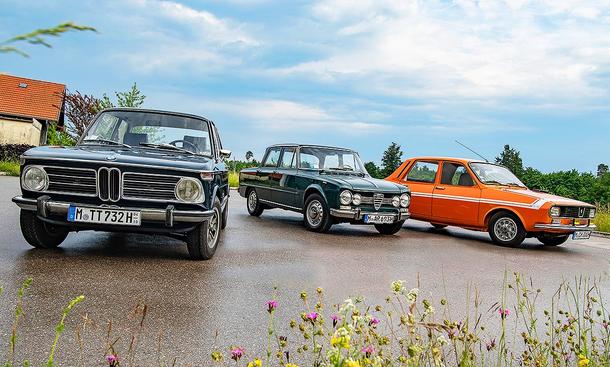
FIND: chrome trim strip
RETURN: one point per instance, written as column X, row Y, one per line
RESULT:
column 280, row 205
column 590, row 227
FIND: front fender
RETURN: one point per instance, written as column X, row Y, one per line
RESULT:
column 313, row 188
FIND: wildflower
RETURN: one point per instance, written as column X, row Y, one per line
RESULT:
column 112, row 359
column 304, row 296
column 237, row 353
column 216, row 356
column 491, row 345
column 336, row 318
column 374, row 321
column 397, row 287
column 368, row 351
column 504, row 312
column 312, row 316
column 583, row 361
column 319, row 290
column 605, row 325
column 290, row 365
column 255, row 363
column 341, row 341
column 271, row 305
column 412, row 295
column 351, row 363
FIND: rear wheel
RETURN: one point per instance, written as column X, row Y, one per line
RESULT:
column 506, row 229
column 553, row 240
column 255, row 208
column 40, row 234
column 389, row 229
column 317, row 215
column 438, row 226
column 203, row 240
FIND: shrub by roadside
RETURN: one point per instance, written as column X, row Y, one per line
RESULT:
column 602, row 220
column 10, row 168
column 233, row 179
column 12, row 152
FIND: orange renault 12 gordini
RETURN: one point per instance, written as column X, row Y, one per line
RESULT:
column 487, row 197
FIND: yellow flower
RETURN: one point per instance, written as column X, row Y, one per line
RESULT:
column 351, row 363
column 291, row 365
column 255, row 363
column 340, row 341
column 583, row 361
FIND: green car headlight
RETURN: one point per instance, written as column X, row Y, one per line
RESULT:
column 357, row 199
column 396, row 201
column 345, row 197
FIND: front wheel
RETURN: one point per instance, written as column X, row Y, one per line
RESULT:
column 553, row 240
column 203, row 240
column 389, row 229
column 38, row 233
column 317, row 215
column 506, row 229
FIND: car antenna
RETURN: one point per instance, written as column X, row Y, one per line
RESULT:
column 486, row 160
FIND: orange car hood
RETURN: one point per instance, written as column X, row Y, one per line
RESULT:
column 559, row 200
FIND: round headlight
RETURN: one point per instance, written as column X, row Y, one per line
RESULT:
column 405, row 200
column 345, row 197
column 396, row 201
column 189, row 190
column 555, row 211
column 357, row 199
column 34, row 178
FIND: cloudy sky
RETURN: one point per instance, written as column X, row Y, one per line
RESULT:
column 361, row 74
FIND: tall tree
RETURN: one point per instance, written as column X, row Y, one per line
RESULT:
column 373, row 169
column 602, row 169
column 80, row 111
column 391, row 160
column 130, row 98
column 249, row 155
column 511, row 159
column 37, row 37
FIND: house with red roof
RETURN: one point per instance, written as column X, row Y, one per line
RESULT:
column 27, row 107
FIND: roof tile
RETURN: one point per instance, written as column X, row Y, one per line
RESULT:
column 30, row 98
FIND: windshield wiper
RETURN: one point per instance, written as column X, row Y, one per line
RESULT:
column 515, row 184
column 493, row 182
column 107, row 141
column 167, row 146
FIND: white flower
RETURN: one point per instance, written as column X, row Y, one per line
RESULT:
column 412, row 295
column 398, row 287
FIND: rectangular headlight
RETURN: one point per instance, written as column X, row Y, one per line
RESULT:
column 592, row 213
column 555, row 211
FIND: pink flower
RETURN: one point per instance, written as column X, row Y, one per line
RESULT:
column 271, row 305
column 237, row 353
column 312, row 316
column 336, row 318
column 368, row 350
column 504, row 312
column 605, row 325
column 112, row 359
column 374, row 321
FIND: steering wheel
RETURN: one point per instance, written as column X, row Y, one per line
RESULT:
column 184, row 143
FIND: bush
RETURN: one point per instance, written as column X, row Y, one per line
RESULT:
column 602, row 219
column 59, row 137
column 12, row 152
column 233, row 179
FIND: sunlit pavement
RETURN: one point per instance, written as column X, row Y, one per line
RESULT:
column 190, row 301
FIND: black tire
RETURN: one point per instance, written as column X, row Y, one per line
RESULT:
column 40, row 234
column 389, row 229
column 203, row 240
column 506, row 229
column 255, row 208
column 225, row 215
column 438, row 226
column 553, row 240
column 316, row 214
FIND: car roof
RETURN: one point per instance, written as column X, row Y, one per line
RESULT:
column 456, row 159
column 309, row 145
column 134, row 109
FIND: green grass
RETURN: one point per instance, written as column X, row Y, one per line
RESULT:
column 602, row 220
column 233, row 179
column 10, row 167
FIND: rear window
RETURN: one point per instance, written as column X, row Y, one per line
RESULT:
column 423, row 172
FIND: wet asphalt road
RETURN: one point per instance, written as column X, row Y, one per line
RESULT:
column 189, row 302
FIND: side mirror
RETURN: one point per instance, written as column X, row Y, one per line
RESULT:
column 225, row 153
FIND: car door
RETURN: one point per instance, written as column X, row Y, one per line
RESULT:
column 283, row 179
column 456, row 196
column 265, row 173
column 421, row 178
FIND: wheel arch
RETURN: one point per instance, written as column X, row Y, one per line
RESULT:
column 313, row 189
column 496, row 210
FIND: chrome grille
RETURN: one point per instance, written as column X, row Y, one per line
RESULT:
column 76, row 181
column 149, row 186
column 109, row 184
column 575, row 212
column 369, row 200
column 377, row 200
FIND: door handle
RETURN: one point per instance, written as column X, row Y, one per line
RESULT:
column 440, row 188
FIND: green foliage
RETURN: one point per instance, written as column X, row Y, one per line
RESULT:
column 59, row 328
column 131, row 98
column 391, row 160
column 233, row 179
column 511, row 159
column 602, row 169
column 37, row 37
column 602, row 219
column 59, row 137
column 237, row 166
column 373, row 170
column 11, row 168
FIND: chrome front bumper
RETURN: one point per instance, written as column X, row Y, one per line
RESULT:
column 564, row 227
column 358, row 214
column 45, row 207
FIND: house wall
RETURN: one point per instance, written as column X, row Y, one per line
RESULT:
column 20, row 132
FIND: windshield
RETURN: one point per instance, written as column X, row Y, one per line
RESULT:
column 150, row 130
column 330, row 159
column 496, row 175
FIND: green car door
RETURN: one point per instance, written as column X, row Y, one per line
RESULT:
column 282, row 180
column 265, row 174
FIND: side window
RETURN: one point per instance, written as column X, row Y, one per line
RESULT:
column 273, row 156
column 455, row 174
column 308, row 160
column 288, row 158
column 423, row 172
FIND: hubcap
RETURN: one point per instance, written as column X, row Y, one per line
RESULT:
column 213, row 229
column 252, row 201
column 506, row 229
column 315, row 213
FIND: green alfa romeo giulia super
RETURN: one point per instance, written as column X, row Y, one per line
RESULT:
column 328, row 185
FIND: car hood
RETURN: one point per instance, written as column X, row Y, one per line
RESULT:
column 122, row 156
column 366, row 184
column 558, row 200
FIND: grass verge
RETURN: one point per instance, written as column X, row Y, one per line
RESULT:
column 9, row 167
column 602, row 220
column 233, row 179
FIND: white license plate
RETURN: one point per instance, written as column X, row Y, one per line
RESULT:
column 104, row 216
column 378, row 218
column 581, row 235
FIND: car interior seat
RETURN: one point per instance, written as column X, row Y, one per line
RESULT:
column 465, row 180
